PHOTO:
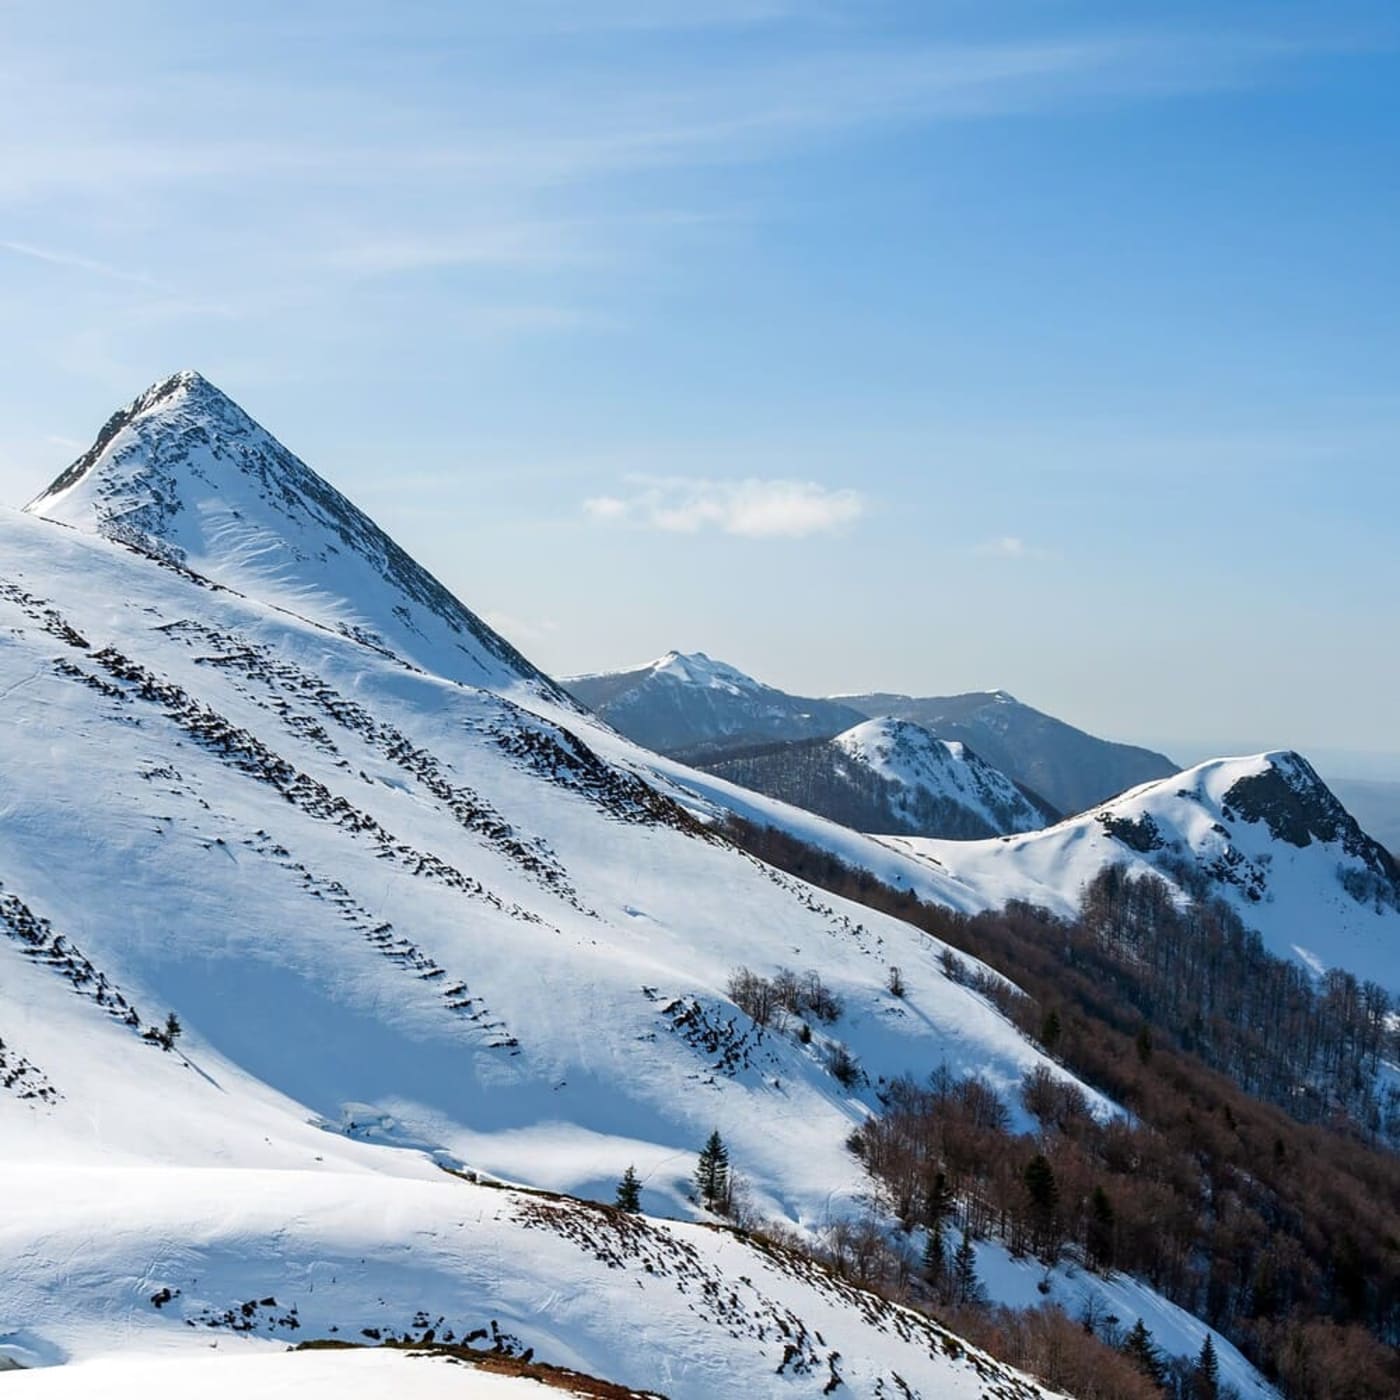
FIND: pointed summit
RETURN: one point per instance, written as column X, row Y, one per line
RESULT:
column 183, row 474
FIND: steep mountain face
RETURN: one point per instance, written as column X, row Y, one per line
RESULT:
column 888, row 775
column 1264, row 833
column 1070, row 769
column 411, row 932
column 183, row 474
column 693, row 705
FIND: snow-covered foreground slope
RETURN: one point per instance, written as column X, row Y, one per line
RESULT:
column 244, row 1260
column 184, row 473
column 1262, row 832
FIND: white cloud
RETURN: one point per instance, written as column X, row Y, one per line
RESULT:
column 750, row 507
column 1012, row 547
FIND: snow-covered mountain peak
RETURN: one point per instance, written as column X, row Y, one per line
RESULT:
column 690, row 703
column 184, row 475
column 696, row 668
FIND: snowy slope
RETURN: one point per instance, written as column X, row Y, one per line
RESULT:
column 687, row 704
column 1263, row 832
column 239, row 802
column 184, row 473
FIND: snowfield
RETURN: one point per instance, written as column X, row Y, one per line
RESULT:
column 427, row 942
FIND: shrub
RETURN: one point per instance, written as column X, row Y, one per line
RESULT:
column 842, row 1065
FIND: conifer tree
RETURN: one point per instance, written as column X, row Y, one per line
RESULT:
column 967, row 1287
column 712, row 1173
column 1139, row 1348
column 935, row 1257
column 1205, row 1376
column 172, row 1032
column 1098, row 1239
column 629, row 1192
column 1044, row 1198
column 938, row 1200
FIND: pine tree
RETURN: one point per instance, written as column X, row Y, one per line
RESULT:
column 938, row 1200
column 1044, row 1198
column 1139, row 1347
column 1205, row 1376
column 1098, row 1238
column 1050, row 1030
column 967, row 1287
column 712, row 1173
column 172, row 1032
column 935, row 1257
column 629, row 1192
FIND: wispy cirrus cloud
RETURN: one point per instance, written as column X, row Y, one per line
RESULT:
column 749, row 507
column 58, row 258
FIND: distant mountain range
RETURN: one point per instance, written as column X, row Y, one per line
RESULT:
column 701, row 710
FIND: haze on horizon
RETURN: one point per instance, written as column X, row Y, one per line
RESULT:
column 895, row 346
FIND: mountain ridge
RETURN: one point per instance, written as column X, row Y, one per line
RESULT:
column 185, row 474
column 697, row 709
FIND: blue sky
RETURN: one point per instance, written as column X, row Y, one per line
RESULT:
column 929, row 346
